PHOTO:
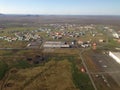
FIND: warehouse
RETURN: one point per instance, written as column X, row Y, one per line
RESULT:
column 115, row 56
column 55, row 44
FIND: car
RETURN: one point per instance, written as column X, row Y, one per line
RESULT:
column 104, row 66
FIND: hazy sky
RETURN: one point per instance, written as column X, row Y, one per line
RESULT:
column 68, row 7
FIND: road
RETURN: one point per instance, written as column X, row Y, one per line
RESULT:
column 83, row 62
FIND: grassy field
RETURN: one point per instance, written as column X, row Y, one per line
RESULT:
column 3, row 69
column 62, row 66
column 80, row 79
column 50, row 76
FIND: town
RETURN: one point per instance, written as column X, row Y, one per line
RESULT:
column 70, row 34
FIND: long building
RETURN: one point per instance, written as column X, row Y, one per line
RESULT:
column 115, row 56
column 55, row 44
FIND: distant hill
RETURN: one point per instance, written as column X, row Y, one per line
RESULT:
column 76, row 19
column 1, row 14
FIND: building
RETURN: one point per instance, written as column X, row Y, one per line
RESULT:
column 115, row 35
column 115, row 56
column 55, row 44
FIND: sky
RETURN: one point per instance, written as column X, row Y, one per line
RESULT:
column 61, row 7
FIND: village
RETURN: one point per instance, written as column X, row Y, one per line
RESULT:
column 70, row 34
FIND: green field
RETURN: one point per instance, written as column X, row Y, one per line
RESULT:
column 3, row 69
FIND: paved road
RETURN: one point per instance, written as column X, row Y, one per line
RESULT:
column 108, row 65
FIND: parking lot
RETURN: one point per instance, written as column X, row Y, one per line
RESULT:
column 104, row 70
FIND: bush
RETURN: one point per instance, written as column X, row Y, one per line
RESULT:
column 3, row 69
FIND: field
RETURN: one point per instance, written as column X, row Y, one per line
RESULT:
column 62, row 66
column 35, row 20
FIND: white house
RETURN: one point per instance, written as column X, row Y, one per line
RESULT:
column 115, row 35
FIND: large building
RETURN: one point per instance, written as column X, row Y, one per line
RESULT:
column 115, row 56
column 55, row 44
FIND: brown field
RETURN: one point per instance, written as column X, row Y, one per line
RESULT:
column 53, row 76
column 60, row 71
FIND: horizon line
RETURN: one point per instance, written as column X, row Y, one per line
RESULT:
column 65, row 14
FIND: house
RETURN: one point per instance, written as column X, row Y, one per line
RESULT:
column 80, row 42
column 115, row 35
column 101, row 40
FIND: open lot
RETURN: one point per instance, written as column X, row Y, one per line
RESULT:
column 104, row 70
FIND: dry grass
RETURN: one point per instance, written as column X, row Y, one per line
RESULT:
column 66, row 51
column 55, row 75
